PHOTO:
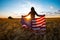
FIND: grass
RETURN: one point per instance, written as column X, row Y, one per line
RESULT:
column 10, row 29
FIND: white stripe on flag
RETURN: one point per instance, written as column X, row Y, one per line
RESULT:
column 39, row 24
column 23, row 25
column 38, row 21
column 43, row 29
column 36, row 28
column 40, row 18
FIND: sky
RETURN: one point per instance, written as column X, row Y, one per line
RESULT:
column 16, row 8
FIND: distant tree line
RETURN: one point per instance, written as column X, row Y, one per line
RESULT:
column 10, row 17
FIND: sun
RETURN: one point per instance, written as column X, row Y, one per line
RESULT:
column 28, row 17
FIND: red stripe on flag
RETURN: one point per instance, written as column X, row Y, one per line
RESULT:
column 39, row 19
column 39, row 25
column 39, row 22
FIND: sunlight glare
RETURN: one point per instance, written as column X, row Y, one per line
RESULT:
column 28, row 17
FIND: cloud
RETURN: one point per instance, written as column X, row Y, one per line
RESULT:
column 26, row 7
column 51, row 7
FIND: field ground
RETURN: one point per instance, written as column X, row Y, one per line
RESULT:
column 10, row 29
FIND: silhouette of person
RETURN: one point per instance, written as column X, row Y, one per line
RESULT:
column 32, row 12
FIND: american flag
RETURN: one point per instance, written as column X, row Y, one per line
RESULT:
column 36, row 23
column 39, row 22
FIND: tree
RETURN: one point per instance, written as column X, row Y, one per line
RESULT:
column 10, row 17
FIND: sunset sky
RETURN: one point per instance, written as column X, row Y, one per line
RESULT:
column 16, row 8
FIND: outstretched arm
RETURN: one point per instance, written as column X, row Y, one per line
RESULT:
column 25, row 15
column 40, row 15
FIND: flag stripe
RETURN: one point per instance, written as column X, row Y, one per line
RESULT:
column 39, row 22
column 39, row 19
column 37, row 25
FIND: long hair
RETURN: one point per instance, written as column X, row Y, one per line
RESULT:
column 32, row 9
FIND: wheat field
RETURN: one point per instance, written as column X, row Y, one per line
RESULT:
column 11, row 29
